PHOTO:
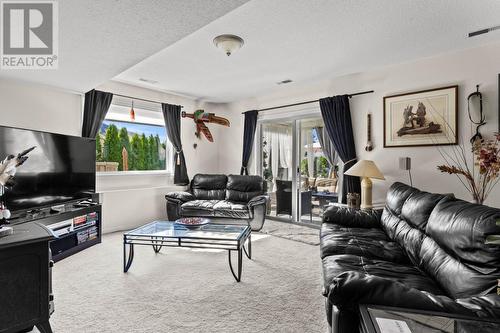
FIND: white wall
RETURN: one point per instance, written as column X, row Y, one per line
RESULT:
column 39, row 107
column 465, row 68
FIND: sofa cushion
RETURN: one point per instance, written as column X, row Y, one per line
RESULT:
column 407, row 227
column 209, row 187
column 367, row 242
column 397, row 195
column 418, row 207
column 352, row 288
column 226, row 208
column 198, row 208
column 243, row 188
column 455, row 253
column 410, row 276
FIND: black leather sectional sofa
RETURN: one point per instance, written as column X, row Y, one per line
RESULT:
column 423, row 251
column 221, row 197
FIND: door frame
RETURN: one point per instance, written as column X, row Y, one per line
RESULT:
column 293, row 115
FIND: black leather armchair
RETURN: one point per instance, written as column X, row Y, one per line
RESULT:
column 423, row 251
column 221, row 197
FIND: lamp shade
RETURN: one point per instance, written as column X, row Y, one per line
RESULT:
column 365, row 168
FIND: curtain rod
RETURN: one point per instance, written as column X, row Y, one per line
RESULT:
column 308, row 102
column 140, row 99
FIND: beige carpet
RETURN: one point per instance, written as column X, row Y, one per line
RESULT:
column 291, row 231
column 182, row 290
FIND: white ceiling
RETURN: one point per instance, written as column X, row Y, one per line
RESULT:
column 99, row 39
column 309, row 40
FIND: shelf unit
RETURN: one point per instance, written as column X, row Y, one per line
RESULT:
column 67, row 243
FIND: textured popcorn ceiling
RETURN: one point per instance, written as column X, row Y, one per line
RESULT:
column 98, row 39
column 312, row 40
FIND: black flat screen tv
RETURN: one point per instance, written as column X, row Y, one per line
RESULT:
column 60, row 169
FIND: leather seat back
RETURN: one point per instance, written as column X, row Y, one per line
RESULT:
column 405, row 217
column 243, row 188
column 455, row 252
column 445, row 237
column 209, row 187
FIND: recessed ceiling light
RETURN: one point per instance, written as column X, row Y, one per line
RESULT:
column 148, row 80
column 284, row 81
column 228, row 43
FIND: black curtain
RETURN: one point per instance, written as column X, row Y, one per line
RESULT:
column 337, row 118
column 248, row 138
column 95, row 108
column 172, row 116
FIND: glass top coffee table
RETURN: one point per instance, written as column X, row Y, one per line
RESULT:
column 158, row 234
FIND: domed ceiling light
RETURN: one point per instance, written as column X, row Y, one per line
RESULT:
column 228, row 43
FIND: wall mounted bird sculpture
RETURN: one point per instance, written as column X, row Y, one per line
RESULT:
column 201, row 117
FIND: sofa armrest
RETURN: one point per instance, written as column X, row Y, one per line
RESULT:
column 352, row 288
column 258, row 200
column 351, row 217
column 257, row 207
column 179, row 197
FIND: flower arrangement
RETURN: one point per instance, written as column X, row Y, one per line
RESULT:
column 480, row 176
column 8, row 168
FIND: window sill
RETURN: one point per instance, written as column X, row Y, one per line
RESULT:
column 134, row 173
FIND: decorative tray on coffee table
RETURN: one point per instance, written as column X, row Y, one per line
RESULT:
column 192, row 222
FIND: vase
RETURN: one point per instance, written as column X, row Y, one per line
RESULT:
column 477, row 200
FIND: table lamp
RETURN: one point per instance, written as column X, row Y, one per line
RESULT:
column 365, row 169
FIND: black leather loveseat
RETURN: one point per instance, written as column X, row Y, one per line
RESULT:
column 423, row 251
column 221, row 197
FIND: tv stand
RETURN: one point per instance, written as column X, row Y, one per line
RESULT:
column 27, row 298
column 76, row 228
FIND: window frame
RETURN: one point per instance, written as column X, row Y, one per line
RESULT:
column 169, row 164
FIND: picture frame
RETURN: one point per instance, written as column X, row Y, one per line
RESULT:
column 421, row 118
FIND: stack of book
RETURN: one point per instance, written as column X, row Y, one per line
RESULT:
column 92, row 218
column 79, row 221
column 92, row 233
column 82, row 236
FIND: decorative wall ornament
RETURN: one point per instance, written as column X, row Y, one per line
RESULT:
column 422, row 118
column 132, row 112
column 369, row 143
column 201, row 117
column 478, row 120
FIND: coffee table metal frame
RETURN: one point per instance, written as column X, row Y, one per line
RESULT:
column 159, row 241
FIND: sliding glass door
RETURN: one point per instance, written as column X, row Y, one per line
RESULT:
column 277, row 165
column 300, row 179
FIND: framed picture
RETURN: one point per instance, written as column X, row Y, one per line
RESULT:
column 421, row 118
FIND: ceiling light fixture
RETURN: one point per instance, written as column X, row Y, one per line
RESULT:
column 228, row 43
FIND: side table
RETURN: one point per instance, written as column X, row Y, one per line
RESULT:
column 383, row 319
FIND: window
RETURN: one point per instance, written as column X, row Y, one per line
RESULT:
column 137, row 143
